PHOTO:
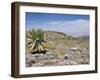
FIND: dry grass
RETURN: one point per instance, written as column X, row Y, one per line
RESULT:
column 58, row 42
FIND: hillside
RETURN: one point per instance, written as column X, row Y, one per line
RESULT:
column 58, row 39
column 62, row 50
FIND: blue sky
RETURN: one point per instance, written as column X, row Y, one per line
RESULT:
column 75, row 25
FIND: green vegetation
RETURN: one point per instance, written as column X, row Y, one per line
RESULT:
column 36, row 40
column 57, row 42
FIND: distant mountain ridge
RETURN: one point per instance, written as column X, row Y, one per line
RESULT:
column 57, row 35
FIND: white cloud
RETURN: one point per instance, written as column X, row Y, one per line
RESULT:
column 74, row 23
column 75, row 28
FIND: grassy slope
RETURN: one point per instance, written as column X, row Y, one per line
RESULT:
column 59, row 42
column 56, row 39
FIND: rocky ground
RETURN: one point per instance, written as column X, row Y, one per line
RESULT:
column 73, row 56
column 62, row 50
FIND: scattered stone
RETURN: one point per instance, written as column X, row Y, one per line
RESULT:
column 73, row 56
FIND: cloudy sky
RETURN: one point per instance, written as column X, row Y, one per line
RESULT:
column 74, row 25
